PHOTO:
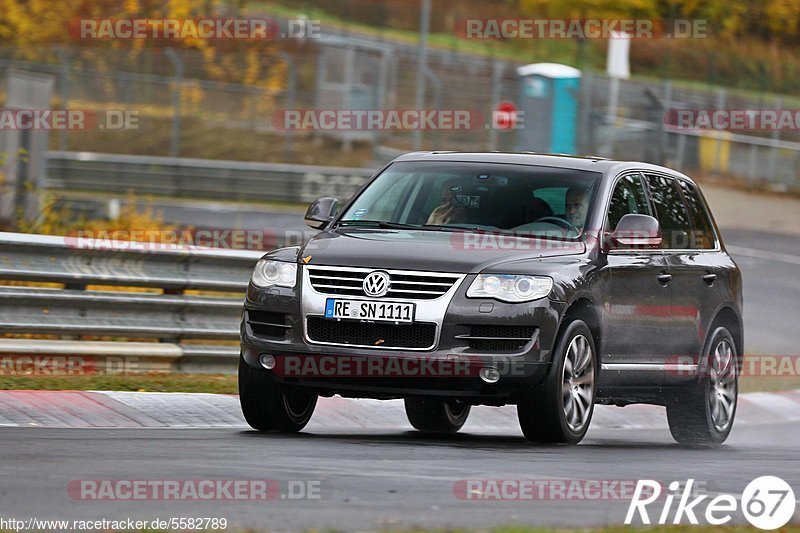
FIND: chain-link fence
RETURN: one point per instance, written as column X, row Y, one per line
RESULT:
column 181, row 113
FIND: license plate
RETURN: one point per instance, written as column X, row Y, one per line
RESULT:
column 372, row 311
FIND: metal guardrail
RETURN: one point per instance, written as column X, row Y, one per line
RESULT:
column 168, row 315
column 200, row 178
column 78, row 262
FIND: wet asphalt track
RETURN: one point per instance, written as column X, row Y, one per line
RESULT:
column 369, row 480
column 380, row 479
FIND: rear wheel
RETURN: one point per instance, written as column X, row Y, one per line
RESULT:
column 271, row 406
column 702, row 414
column 560, row 409
column 436, row 416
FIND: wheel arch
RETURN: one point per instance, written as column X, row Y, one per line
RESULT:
column 728, row 318
column 584, row 309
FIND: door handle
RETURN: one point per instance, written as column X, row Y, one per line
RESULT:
column 664, row 278
column 710, row 278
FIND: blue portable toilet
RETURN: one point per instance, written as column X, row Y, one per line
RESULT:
column 549, row 101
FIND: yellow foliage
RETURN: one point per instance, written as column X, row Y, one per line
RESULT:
column 145, row 222
column 191, row 96
column 29, row 24
column 767, row 20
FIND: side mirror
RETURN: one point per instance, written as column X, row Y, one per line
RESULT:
column 636, row 231
column 321, row 212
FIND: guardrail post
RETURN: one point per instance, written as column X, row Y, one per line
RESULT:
column 321, row 75
column 680, row 151
column 63, row 82
column 585, row 135
column 291, row 91
column 721, row 98
column 772, row 162
column 497, row 74
column 348, row 84
column 666, row 102
column 380, row 93
column 175, row 142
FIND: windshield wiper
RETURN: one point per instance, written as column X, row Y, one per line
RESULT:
column 382, row 224
column 454, row 227
column 376, row 224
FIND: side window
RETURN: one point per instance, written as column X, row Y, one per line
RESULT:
column 703, row 234
column 628, row 198
column 672, row 215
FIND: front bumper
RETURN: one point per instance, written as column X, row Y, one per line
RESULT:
column 451, row 368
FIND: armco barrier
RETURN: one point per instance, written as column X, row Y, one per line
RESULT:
column 200, row 178
column 164, row 318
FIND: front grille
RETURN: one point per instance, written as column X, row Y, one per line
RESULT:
column 418, row 335
column 495, row 338
column 402, row 283
column 267, row 323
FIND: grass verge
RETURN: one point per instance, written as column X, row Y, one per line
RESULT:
column 151, row 382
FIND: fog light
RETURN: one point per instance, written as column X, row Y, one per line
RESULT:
column 267, row 361
column 489, row 375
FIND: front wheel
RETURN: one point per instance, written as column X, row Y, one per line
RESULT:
column 560, row 409
column 702, row 414
column 436, row 416
column 271, row 406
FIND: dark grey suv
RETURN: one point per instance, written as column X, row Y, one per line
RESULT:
column 459, row 279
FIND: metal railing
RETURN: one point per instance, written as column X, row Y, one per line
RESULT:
column 86, row 300
column 200, row 178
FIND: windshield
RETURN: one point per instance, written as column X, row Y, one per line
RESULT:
column 525, row 200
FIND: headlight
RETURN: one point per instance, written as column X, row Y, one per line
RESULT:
column 268, row 273
column 508, row 288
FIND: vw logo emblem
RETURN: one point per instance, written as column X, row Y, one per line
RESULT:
column 376, row 284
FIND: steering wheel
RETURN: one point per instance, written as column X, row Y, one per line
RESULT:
column 563, row 222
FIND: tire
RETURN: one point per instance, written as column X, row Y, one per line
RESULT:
column 271, row 406
column 560, row 409
column 702, row 414
column 436, row 416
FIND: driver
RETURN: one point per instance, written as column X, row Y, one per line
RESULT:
column 446, row 212
column 576, row 206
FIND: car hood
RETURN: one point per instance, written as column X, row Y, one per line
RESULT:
column 432, row 251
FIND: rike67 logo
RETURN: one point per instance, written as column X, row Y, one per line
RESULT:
column 767, row 503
